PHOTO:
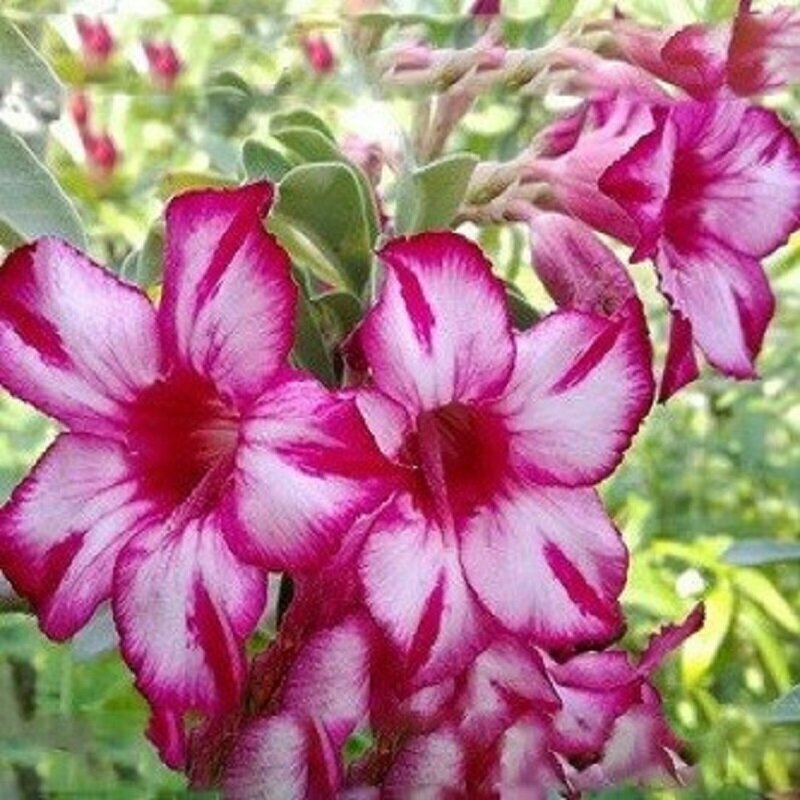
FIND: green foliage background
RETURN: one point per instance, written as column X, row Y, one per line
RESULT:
column 715, row 470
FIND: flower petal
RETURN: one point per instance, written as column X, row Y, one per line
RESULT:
column 184, row 606
column 431, row 767
column 580, row 388
column 227, row 311
column 74, row 341
column 547, row 562
column 753, row 200
column 725, row 296
column 576, row 268
column 424, row 341
column 283, row 757
column 329, row 681
column 306, row 468
column 64, row 526
column 681, row 366
column 416, row 591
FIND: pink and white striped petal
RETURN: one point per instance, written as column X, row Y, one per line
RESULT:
column 75, row 342
column 431, row 767
column 184, row 605
column 425, row 342
column 227, row 311
column 581, row 386
column 680, row 367
column 283, row 757
column 726, row 297
column 548, row 563
column 416, row 590
column 64, row 526
column 306, row 468
column 329, row 681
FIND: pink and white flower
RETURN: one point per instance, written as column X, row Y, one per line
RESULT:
column 519, row 723
column 753, row 54
column 502, row 437
column 713, row 188
column 188, row 445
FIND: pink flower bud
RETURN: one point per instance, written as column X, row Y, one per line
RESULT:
column 318, row 54
column 164, row 63
column 485, row 8
column 102, row 155
column 80, row 109
column 97, row 42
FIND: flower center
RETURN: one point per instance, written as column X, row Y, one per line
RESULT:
column 184, row 436
column 461, row 454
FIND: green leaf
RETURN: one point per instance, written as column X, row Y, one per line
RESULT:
column 763, row 593
column 322, row 217
column 229, row 100
column 340, row 312
column 145, row 267
column 523, row 314
column 300, row 118
column 309, row 349
column 559, row 12
column 752, row 552
column 260, row 161
column 32, row 204
column 20, row 61
column 180, row 181
column 309, row 144
column 720, row 10
column 428, row 198
column 786, row 709
column 700, row 650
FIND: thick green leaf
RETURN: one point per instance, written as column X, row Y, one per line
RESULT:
column 786, row 709
column 300, row 118
column 523, row 314
column 428, row 198
column 31, row 202
column 752, row 552
column 339, row 312
column 20, row 61
column 309, row 349
column 178, row 182
column 719, row 10
column 701, row 649
column 325, row 205
column 309, row 144
column 229, row 101
column 559, row 12
column 261, row 161
column 145, row 267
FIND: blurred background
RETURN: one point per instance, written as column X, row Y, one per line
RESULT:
column 187, row 93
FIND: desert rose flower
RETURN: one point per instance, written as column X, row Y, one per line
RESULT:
column 187, row 442
column 712, row 189
column 518, row 723
column 97, row 43
column 503, row 437
column 164, row 63
column 318, row 53
column 753, row 54
column 576, row 151
column 764, row 55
